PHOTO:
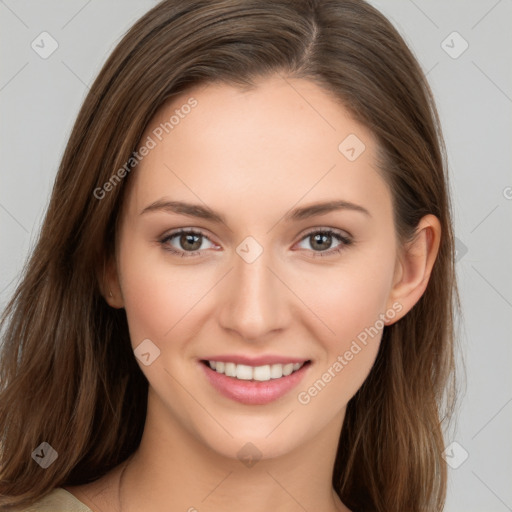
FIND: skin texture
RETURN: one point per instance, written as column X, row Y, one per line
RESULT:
column 253, row 156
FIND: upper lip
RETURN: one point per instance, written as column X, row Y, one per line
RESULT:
column 256, row 361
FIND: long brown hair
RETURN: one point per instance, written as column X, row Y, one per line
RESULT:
column 68, row 373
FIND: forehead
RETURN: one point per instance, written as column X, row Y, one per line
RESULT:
column 281, row 113
column 283, row 140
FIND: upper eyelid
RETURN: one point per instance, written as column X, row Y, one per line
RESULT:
column 342, row 232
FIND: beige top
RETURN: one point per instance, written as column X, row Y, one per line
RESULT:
column 58, row 500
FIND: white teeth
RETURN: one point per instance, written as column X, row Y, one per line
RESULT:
column 243, row 372
column 276, row 371
column 260, row 373
column 230, row 369
column 287, row 369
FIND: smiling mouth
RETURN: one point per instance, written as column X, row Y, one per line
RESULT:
column 254, row 373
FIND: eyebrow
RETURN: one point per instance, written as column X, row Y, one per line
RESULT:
column 204, row 212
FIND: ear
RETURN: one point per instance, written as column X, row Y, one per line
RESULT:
column 109, row 284
column 414, row 266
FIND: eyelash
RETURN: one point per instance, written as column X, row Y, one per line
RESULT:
column 345, row 241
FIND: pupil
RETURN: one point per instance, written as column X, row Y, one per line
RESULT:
column 322, row 237
column 189, row 238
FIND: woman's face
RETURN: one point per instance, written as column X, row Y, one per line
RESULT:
column 266, row 283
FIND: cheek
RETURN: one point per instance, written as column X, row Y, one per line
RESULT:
column 348, row 298
column 352, row 305
column 154, row 301
column 351, row 301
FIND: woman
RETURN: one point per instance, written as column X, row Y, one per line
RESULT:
column 255, row 367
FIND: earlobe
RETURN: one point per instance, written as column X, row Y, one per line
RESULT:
column 415, row 265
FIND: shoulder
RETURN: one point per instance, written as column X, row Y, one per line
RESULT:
column 58, row 500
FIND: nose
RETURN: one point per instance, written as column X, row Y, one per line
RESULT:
column 254, row 299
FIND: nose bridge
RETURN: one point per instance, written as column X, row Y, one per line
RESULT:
column 254, row 302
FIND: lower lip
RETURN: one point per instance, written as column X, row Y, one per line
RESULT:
column 252, row 392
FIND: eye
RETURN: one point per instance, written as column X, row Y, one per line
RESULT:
column 190, row 242
column 321, row 239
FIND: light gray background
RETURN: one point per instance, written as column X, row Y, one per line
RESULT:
column 39, row 100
